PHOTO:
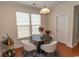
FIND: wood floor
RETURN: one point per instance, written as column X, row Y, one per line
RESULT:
column 65, row 51
column 76, row 50
column 62, row 49
column 19, row 52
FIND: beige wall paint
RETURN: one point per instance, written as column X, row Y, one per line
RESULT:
column 67, row 7
column 8, row 17
column 44, row 20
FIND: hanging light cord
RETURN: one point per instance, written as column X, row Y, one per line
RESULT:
column 44, row 4
column 34, row 3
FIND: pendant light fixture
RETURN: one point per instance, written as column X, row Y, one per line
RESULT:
column 44, row 10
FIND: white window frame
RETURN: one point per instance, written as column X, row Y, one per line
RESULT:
column 29, row 25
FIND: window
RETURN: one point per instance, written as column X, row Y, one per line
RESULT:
column 36, row 22
column 23, row 24
column 27, row 24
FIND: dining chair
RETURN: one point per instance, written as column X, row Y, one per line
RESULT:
column 29, row 48
column 49, row 48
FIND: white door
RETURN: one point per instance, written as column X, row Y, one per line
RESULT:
column 62, row 28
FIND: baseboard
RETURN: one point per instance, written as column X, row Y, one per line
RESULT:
column 75, row 44
column 70, row 45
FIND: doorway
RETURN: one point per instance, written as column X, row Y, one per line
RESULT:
column 62, row 28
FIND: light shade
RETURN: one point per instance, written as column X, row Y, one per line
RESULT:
column 44, row 11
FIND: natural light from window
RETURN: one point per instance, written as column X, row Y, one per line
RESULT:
column 27, row 24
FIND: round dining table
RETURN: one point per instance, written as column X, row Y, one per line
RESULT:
column 37, row 40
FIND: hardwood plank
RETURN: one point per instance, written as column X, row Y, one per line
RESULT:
column 65, row 51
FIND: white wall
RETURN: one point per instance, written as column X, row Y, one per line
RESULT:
column 76, row 25
column 8, row 17
column 67, row 7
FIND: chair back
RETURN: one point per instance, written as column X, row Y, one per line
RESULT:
column 28, row 46
column 51, row 47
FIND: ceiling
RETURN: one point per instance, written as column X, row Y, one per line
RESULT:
column 40, row 4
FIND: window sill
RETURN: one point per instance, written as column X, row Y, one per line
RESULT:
column 24, row 38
